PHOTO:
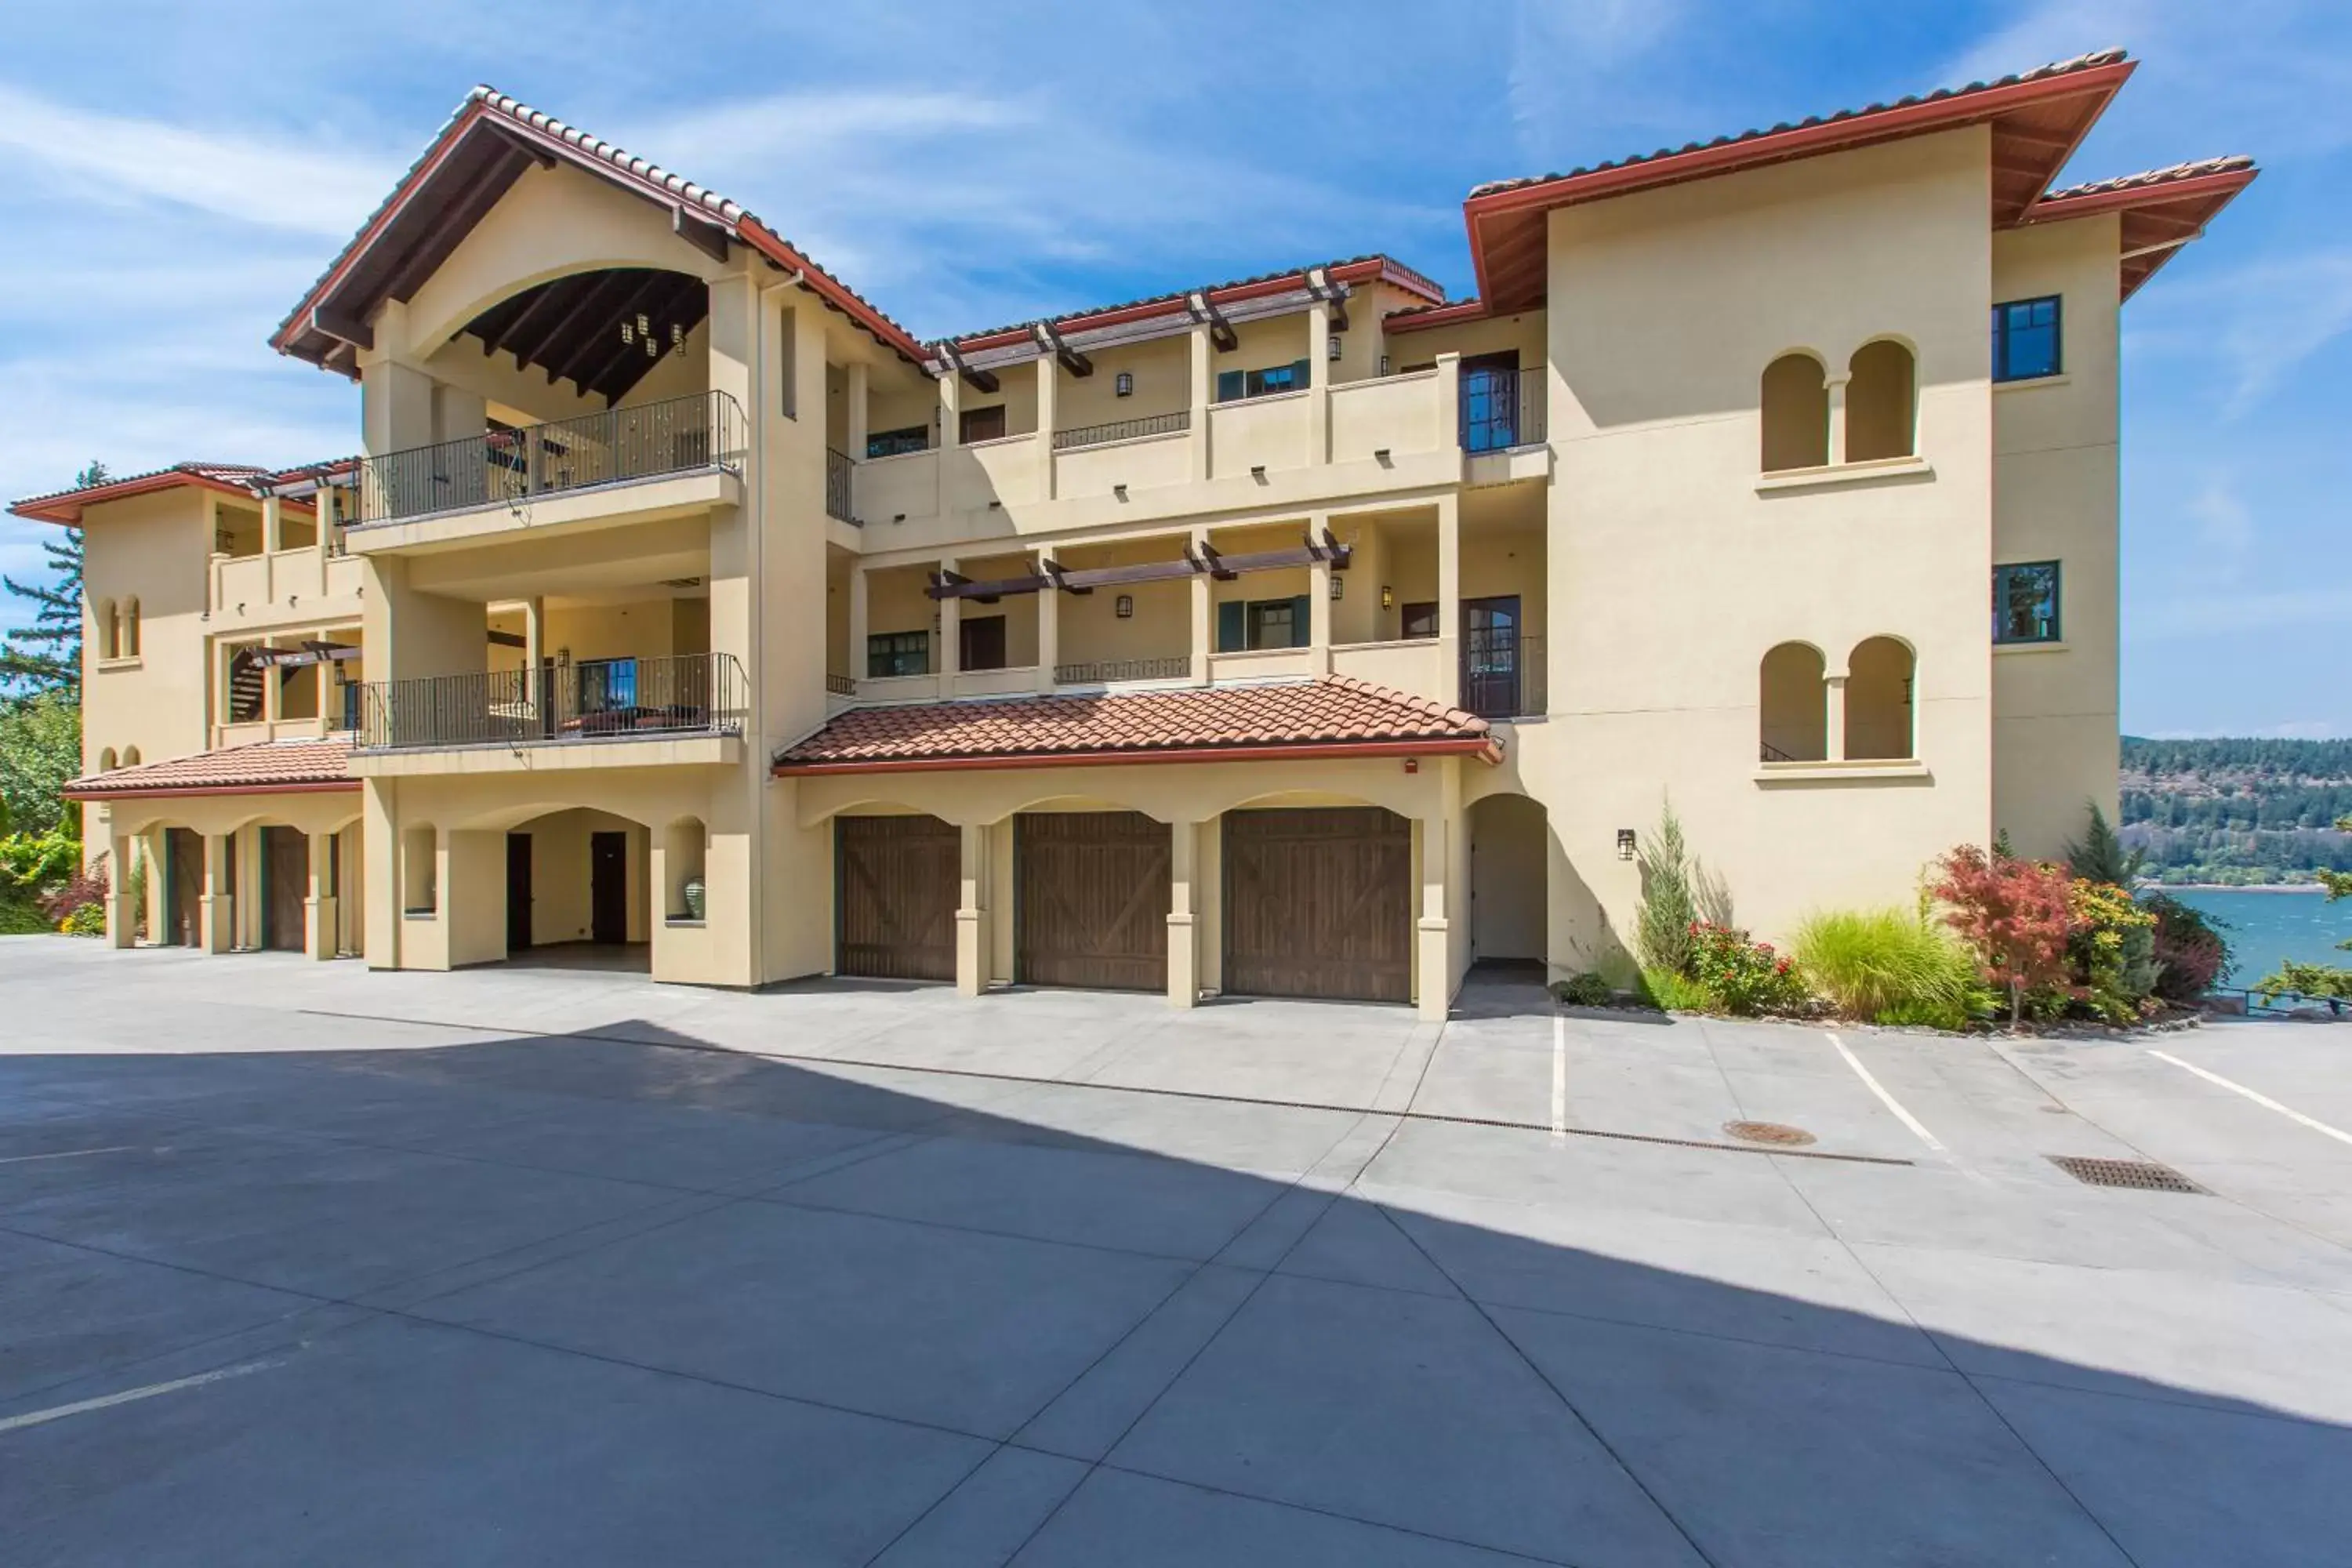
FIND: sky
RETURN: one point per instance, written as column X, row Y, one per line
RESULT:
column 174, row 177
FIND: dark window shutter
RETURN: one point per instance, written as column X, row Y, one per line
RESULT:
column 1229, row 385
column 1229, row 627
column 1302, row 620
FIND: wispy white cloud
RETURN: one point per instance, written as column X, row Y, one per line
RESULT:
column 299, row 181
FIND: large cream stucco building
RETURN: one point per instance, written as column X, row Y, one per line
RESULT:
column 1308, row 635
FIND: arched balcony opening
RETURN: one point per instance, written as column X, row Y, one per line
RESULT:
column 1796, row 413
column 1881, row 403
column 1880, row 703
column 1792, row 705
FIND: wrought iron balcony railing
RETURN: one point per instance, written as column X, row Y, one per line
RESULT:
column 1503, row 673
column 1123, row 430
column 836, row 486
column 1502, row 408
column 562, row 701
column 1103, row 671
column 508, row 465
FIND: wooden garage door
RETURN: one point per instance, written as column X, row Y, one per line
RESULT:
column 1319, row 904
column 896, row 899
column 1091, row 908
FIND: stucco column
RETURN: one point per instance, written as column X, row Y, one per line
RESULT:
column 1837, row 385
column 217, row 907
column 1319, row 382
column 318, row 906
column 973, row 913
column 1448, row 392
column 122, row 917
column 1202, row 384
column 858, row 375
column 1449, row 599
column 252, row 884
column 1836, row 749
column 1433, row 961
column 1204, row 616
column 1183, row 935
column 534, row 649
column 1318, row 602
column 1049, row 636
column 273, row 525
column 1049, row 386
column 858, row 623
column 950, row 613
column 157, row 843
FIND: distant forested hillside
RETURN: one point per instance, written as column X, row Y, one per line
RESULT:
column 2238, row 811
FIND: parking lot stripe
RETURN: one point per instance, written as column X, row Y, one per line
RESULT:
column 59, row 1412
column 1558, row 1076
column 1885, row 1099
column 2264, row 1101
column 67, row 1154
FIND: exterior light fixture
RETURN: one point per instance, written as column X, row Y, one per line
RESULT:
column 1388, row 597
column 1258, row 472
column 1125, row 607
column 1381, row 455
column 1624, row 844
column 1120, row 490
column 1123, row 384
column 897, row 517
column 1339, row 586
column 1331, row 349
column 1384, row 364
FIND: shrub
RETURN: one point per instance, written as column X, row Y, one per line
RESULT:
column 81, row 891
column 88, row 920
column 1662, row 928
column 2192, row 953
column 2322, row 982
column 1585, row 990
column 2112, row 948
column 2015, row 916
column 1677, row 993
column 1743, row 976
column 1890, row 966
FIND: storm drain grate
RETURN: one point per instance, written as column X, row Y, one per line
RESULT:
column 2145, row 1175
column 1768, row 1132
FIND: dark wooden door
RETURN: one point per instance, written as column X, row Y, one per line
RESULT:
column 895, row 886
column 1490, row 655
column 1090, row 905
column 286, row 876
column 183, row 887
column 979, row 643
column 519, row 892
column 1319, row 903
column 608, row 886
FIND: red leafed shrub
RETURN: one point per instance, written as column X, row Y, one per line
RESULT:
column 2015, row 915
column 1744, row 976
column 86, row 888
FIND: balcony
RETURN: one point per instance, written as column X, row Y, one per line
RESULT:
column 585, row 704
column 836, row 487
column 512, row 467
column 1502, row 408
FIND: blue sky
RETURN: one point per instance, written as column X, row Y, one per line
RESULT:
column 173, row 176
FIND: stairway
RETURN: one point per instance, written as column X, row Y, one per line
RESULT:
column 247, row 684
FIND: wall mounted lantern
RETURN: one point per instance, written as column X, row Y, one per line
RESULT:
column 1331, row 349
column 1125, row 607
column 1123, row 385
column 1388, row 597
column 1624, row 844
column 1339, row 586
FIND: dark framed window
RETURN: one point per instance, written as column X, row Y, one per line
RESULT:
column 1264, row 623
column 2025, row 339
column 1236, row 384
column 890, row 442
column 1420, row 619
column 981, row 423
column 897, row 653
column 980, row 642
column 2025, row 602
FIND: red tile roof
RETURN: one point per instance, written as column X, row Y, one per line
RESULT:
column 2160, row 209
column 1335, row 716
column 261, row 768
column 1374, row 267
column 65, row 506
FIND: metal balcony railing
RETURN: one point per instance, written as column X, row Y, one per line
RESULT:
column 1102, row 671
column 562, row 701
column 1123, row 430
column 510, row 465
column 1503, row 672
column 840, row 685
column 1501, row 409
column 836, row 486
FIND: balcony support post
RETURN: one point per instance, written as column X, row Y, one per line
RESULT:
column 858, row 666
column 1049, row 633
column 273, row 528
column 1318, row 601
column 1836, row 385
column 855, row 425
column 1449, row 599
column 974, row 944
column 1318, row 382
column 1834, row 698
column 1183, row 945
column 1197, row 437
column 1049, row 386
column 1203, row 614
column 949, row 611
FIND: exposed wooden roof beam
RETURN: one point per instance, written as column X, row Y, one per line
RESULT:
column 1319, row 285
column 981, row 380
column 603, row 293
column 1220, row 331
column 343, row 329
column 710, row 238
column 1085, row 580
column 473, row 203
column 648, row 301
column 1053, row 342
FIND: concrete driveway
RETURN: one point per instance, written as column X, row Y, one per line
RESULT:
column 302, row 1264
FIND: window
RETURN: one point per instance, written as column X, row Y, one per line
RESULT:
column 980, row 642
column 2025, row 339
column 106, row 763
column 1879, row 420
column 890, row 442
column 897, row 653
column 981, row 423
column 2025, row 602
column 1796, row 413
column 1420, row 620
column 1792, row 705
column 129, row 628
column 130, row 756
column 1264, row 623
column 1236, row 384
column 1878, row 700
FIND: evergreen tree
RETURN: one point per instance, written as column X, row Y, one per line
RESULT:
column 2100, row 855
column 45, row 656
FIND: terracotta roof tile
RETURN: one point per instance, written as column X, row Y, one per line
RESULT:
column 264, row 765
column 1419, row 282
column 2039, row 73
column 2173, row 175
column 1187, row 721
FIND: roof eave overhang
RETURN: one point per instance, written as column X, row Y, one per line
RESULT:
column 1483, row 748
column 315, row 787
column 1893, row 124
column 67, row 508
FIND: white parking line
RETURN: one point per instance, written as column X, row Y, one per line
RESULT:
column 65, row 1155
column 1558, row 1076
column 2263, row 1100
column 59, row 1412
column 1885, row 1099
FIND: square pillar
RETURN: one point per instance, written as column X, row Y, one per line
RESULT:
column 1049, row 636
column 951, row 613
column 156, row 843
column 217, row 907
column 1049, row 386
column 318, row 924
column 1836, row 749
column 972, row 934
column 858, row 375
column 1204, row 615
column 273, row 525
column 534, row 649
column 1202, row 384
column 1319, row 604
column 1319, row 382
column 1449, row 599
column 858, row 623
column 1432, row 960
column 1837, row 385
column 121, row 916
column 1183, row 934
